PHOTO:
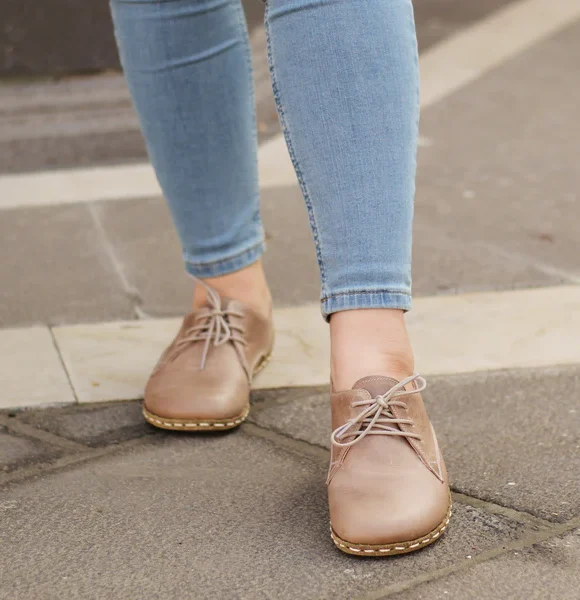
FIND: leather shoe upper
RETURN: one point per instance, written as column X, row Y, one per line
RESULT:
column 387, row 481
column 206, row 371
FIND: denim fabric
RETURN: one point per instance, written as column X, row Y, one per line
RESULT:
column 345, row 80
column 187, row 64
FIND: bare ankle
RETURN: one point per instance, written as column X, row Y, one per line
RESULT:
column 369, row 342
column 247, row 285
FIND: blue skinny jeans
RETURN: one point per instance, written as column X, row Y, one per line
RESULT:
column 345, row 80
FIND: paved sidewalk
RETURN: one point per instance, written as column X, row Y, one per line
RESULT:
column 95, row 503
column 98, row 504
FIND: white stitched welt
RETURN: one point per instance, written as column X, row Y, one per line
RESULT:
column 408, row 547
column 200, row 424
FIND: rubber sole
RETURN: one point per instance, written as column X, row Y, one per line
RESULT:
column 392, row 549
column 206, row 424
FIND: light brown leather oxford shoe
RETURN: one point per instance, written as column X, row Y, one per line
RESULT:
column 387, row 483
column 202, row 381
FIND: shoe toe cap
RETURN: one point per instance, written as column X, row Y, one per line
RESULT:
column 389, row 515
column 172, row 397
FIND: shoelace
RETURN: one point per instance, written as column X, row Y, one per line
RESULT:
column 378, row 418
column 212, row 325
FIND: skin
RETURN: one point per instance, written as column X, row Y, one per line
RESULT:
column 362, row 342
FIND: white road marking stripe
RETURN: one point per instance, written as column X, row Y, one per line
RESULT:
column 445, row 68
column 451, row 334
column 69, row 186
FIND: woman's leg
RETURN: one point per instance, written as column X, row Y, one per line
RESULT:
column 188, row 66
column 346, row 82
column 345, row 78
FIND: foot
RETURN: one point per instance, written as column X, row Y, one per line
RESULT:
column 387, row 483
column 369, row 341
column 202, row 381
column 248, row 285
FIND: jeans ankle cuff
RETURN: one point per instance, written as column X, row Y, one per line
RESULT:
column 225, row 265
column 364, row 299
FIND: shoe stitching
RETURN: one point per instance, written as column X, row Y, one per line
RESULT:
column 390, row 548
column 194, row 424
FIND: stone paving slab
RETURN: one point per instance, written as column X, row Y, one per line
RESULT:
column 31, row 371
column 147, row 247
column 443, row 264
column 202, row 517
column 514, row 437
column 148, row 250
column 509, row 179
column 54, row 269
column 99, row 425
column 16, row 452
column 550, row 570
column 93, row 426
column 113, row 360
column 509, row 437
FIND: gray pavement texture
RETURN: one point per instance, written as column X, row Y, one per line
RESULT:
column 16, row 451
column 510, row 180
column 549, row 569
column 56, row 268
column 96, row 503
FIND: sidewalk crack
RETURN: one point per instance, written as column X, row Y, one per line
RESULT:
column 526, row 541
column 131, row 291
column 63, row 364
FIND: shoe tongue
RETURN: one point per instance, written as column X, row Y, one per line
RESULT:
column 375, row 385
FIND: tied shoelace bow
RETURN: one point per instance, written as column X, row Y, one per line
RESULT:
column 212, row 325
column 377, row 418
